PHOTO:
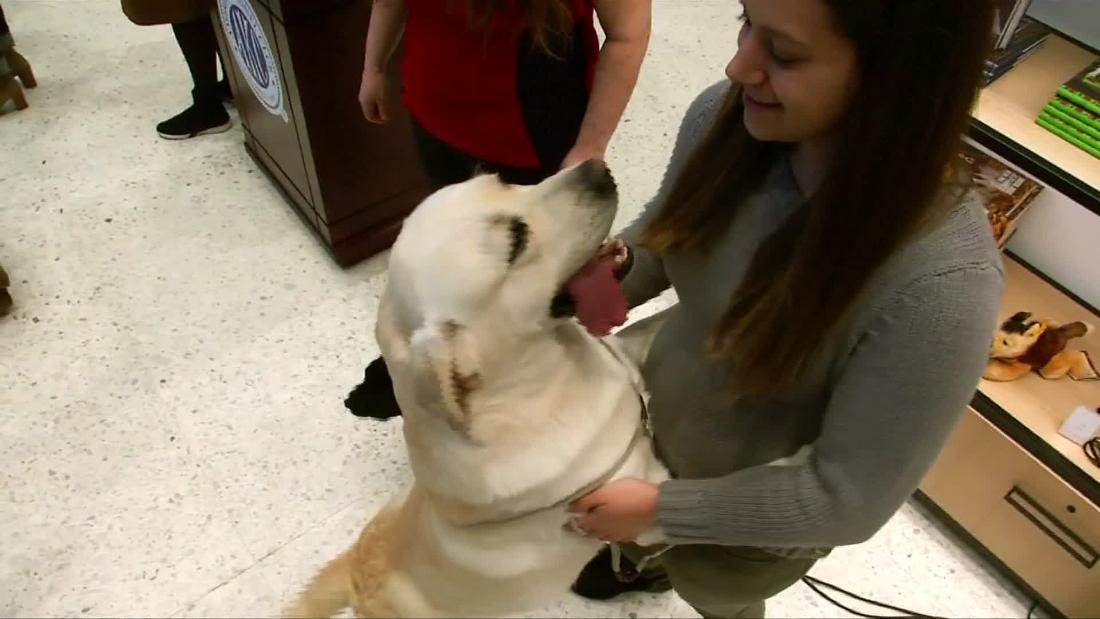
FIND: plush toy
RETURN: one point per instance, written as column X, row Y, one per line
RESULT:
column 1023, row 345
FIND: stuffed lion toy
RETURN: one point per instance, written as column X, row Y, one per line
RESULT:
column 1023, row 345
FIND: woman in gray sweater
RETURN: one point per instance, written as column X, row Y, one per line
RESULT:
column 838, row 287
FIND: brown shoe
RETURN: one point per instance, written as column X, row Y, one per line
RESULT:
column 21, row 68
column 5, row 297
column 10, row 90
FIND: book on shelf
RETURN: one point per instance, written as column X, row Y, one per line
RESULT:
column 1007, row 17
column 1005, row 191
column 1028, row 37
column 1083, row 90
column 1070, row 133
column 1074, row 112
column 1078, row 118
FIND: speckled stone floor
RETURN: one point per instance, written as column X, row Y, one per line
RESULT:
column 171, row 430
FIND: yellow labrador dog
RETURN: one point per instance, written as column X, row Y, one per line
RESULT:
column 511, row 410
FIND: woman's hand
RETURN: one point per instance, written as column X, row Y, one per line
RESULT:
column 619, row 511
column 373, row 95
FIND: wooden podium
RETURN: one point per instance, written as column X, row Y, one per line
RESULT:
column 295, row 67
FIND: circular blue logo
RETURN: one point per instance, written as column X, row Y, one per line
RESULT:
column 250, row 48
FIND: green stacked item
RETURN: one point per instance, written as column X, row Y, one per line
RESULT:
column 1074, row 113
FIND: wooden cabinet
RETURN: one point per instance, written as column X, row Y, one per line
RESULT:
column 1022, row 512
column 1025, row 493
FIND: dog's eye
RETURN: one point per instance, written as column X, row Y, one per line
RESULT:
column 520, row 233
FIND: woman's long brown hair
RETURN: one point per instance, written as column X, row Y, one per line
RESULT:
column 920, row 67
column 550, row 22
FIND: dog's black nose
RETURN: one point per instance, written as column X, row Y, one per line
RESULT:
column 597, row 177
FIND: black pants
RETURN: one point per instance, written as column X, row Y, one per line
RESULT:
column 446, row 165
column 199, row 45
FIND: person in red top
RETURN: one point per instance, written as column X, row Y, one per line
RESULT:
column 521, row 88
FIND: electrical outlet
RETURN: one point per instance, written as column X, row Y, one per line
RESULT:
column 1082, row 425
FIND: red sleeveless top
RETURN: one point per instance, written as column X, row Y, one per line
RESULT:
column 487, row 91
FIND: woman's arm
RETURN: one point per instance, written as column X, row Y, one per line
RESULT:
column 898, row 398
column 387, row 22
column 626, row 25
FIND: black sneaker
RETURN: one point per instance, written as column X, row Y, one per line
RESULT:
column 598, row 580
column 374, row 396
column 194, row 121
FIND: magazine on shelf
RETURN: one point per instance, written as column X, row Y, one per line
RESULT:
column 1005, row 192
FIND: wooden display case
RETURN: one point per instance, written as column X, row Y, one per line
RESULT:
column 1025, row 494
column 1028, row 495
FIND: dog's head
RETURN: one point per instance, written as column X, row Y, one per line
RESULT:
column 481, row 266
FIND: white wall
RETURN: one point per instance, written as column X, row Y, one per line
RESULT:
column 1062, row 239
column 1079, row 19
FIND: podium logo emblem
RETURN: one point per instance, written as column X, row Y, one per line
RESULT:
column 252, row 53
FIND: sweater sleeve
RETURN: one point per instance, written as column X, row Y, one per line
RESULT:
column 647, row 277
column 903, row 387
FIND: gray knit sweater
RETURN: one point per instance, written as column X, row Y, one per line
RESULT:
column 876, row 407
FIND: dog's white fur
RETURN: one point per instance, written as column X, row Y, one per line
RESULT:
column 508, row 411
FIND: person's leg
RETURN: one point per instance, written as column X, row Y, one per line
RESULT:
column 443, row 164
column 199, row 45
column 224, row 91
column 756, row 610
column 726, row 582
column 447, row 165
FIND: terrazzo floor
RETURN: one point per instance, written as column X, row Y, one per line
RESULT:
column 172, row 436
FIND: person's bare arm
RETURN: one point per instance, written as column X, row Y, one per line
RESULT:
column 627, row 26
column 387, row 22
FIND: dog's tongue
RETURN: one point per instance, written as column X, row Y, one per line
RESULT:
column 598, row 296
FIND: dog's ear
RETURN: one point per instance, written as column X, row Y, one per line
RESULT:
column 447, row 368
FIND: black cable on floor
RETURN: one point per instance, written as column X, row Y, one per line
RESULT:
column 1031, row 611
column 817, row 585
column 1092, row 450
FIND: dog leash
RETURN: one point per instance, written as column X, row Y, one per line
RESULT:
column 629, row 572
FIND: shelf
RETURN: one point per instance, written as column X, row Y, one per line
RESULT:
column 1004, row 121
column 1032, row 408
